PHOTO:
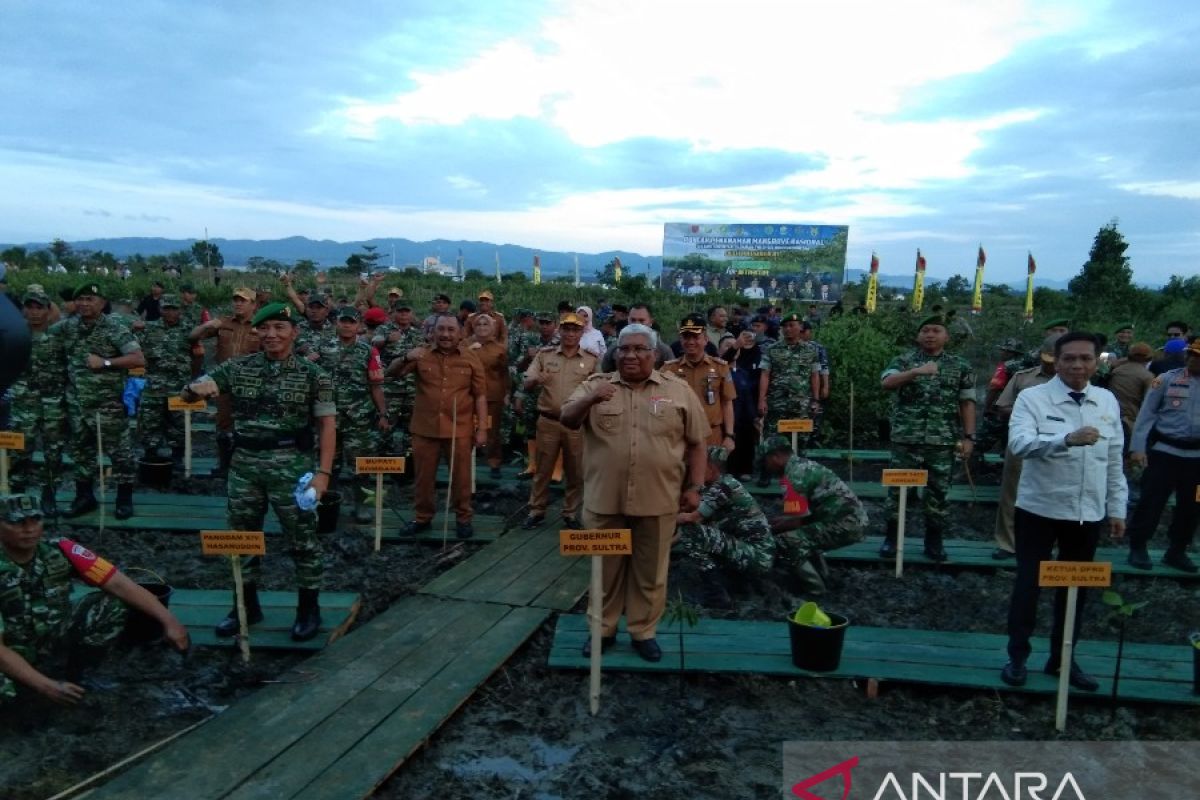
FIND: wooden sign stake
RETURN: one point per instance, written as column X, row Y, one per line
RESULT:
column 240, row 592
column 596, row 543
column 903, row 478
column 795, row 427
column 379, row 465
column 1072, row 575
column 177, row 403
column 4, row 470
column 900, row 520
column 236, row 544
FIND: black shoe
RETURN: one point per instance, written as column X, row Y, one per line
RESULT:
column 254, row 614
column 1179, row 560
column 572, row 523
column 495, row 474
column 525, row 476
column 123, row 508
column 888, row 548
column 85, row 500
column 464, row 530
column 1078, row 678
column 49, row 501
column 936, row 553
column 1140, row 558
column 648, row 649
column 606, row 642
column 533, row 521
column 308, row 615
column 1000, row 554
column 1014, row 674
column 413, row 527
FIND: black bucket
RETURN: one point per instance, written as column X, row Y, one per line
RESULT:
column 328, row 511
column 155, row 471
column 818, row 649
column 140, row 628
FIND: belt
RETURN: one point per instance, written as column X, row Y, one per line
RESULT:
column 243, row 443
column 1182, row 444
column 549, row 415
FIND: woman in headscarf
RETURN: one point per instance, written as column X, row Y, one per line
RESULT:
column 592, row 339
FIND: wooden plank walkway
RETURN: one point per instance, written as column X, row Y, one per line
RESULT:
column 870, row 490
column 188, row 513
column 379, row 694
column 835, row 454
column 1149, row 672
column 978, row 555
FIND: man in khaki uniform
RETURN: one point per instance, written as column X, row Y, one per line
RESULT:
column 451, row 396
column 1006, row 546
column 709, row 378
column 644, row 462
column 1130, row 381
column 558, row 371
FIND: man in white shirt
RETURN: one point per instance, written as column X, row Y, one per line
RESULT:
column 1072, row 486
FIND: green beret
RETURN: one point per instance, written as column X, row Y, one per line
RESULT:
column 16, row 507
column 349, row 312
column 718, row 455
column 932, row 319
column 272, row 311
column 169, row 301
column 1061, row 322
column 86, row 290
column 792, row 317
column 1123, row 326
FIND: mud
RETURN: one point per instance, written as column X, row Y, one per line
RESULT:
column 527, row 732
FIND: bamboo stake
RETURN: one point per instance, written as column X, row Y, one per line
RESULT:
column 900, row 520
column 240, row 592
column 1066, row 658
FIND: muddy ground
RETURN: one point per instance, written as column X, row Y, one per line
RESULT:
column 527, row 732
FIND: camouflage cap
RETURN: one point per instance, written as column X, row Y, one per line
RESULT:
column 319, row 299
column 544, row 316
column 522, row 313
column 718, row 455
column 35, row 293
column 88, row 290
column 274, row 311
column 774, row 443
column 169, row 301
column 349, row 312
column 1011, row 345
column 16, row 507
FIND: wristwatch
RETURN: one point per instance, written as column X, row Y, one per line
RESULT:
column 107, row 364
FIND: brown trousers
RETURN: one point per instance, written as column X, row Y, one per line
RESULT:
column 551, row 438
column 425, row 454
column 636, row 585
column 1009, row 478
column 494, row 449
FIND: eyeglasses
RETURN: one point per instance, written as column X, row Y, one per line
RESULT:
column 636, row 349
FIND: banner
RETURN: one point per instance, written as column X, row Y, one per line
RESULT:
column 977, row 297
column 1029, row 290
column 616, row 270
column 537, row 270
column 761, row 262
column 873, row 284
column 918, row 293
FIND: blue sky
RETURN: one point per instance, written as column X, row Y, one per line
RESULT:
column 587, row 125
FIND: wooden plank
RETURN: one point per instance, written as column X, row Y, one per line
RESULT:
column 342, row 731
column 564, row 593
column 463, row 573
column 535, row 579
column 260, row 726
column 513, row 569
column 382, row 752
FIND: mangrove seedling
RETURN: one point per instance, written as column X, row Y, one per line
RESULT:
column 1118, row 614
column 680, row 611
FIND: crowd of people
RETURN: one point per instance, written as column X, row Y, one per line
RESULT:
column 653, row 435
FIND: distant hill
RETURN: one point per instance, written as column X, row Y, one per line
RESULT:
column 327, row 253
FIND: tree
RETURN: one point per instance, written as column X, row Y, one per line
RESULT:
column 14, row 256
column 957, row 286
column 304, row 267
column 475, row 275
column 207, row 254
column 1106, row 280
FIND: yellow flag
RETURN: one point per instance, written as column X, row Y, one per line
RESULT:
column 616, row 270
column 1029, row 289
column 537, row 270
column 873, row 284
column 977, row 297
column 918, row 294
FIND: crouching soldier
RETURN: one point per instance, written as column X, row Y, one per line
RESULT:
column 820, row 513
column 728, row 530
column 39, row 623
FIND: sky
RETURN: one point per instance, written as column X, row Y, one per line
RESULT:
column 936, row 124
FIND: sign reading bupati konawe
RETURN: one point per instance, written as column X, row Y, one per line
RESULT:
column 761, row 262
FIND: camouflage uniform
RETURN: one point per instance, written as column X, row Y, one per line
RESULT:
column 39, row 621
column 529, row 397
column 168, row 366
column 926, row 428
column 789, row 392
column 322, row 340
column 836, row 515
column 355, row 370
column 399, row 392
column 274, row 403
column 734, row 530
column 519, row 341
column 39, row 411
column 90, row 393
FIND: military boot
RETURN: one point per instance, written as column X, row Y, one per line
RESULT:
column 888, row 548
column 49, row 502
column 124, row 505
column 934, row 550
column 254, row 614
column 308, row 615
column 85, row 500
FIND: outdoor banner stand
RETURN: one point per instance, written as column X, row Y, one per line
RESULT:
column 236, row 544
column 8, row 441
column 597, row 543
column 379, row 467
column 1072, row 575
column 903, row 478
column 795, row 427
column 177, row 403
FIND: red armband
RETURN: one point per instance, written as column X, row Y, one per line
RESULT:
column 999, row 378
column 374, row 367
column 93, row 569
column 793, row 502
column 204, row 316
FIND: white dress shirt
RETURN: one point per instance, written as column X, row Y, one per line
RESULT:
column 1083, row 483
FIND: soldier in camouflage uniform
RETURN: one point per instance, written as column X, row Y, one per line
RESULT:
column 728, row 529
column 361, row 409
column 97, row 350
column 790, row 384
column 191, row 315
column 277, row 399
column 168, row 366
column 316, row 335
column 38, row 405
column 393, row 339
column 525, row 401
column 933, row 411
column 521, row 338
column 827, row 514
column 40, row 625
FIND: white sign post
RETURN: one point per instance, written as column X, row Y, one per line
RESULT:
column 1072, row 575
column 179, row 404
column 236, row 544
column 379, row 466
column 903, row 478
